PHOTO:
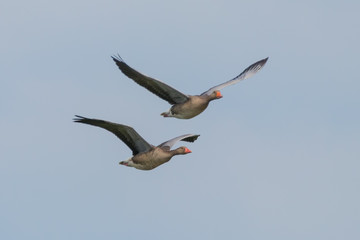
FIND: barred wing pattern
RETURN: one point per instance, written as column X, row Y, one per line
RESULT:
column 187, row 138
column 248, row 72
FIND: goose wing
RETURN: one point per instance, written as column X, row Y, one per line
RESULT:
column 248, row 72
column 187, row 138
column 126, row 134
column 160, row 89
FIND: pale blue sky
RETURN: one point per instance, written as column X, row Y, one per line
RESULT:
column 278, row 156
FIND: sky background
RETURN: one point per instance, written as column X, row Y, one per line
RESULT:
column 278, row 156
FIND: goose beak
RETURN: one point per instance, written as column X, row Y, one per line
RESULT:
column 218, row 94
column 187, row 150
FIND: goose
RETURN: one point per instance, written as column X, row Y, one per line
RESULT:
column 145, row 156
column 183, row 106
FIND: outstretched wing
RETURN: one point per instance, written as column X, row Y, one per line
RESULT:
column 187, row 138
column 248, row 72
column 160, row 89
column 127, row 134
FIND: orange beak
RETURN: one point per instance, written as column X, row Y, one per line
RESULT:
column 218, row 94
column 187, row 150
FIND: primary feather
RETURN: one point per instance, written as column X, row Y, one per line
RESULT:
column 248, row 72
column 157, row 87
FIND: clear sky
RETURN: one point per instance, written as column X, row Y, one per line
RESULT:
column 278, row 156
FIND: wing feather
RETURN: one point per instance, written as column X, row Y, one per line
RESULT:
column 160, row 89
column 248, row 72
column 125, row 133
column 187, row 138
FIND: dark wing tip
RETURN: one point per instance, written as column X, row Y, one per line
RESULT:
column 79, row 118
column 191, row 138
column 263, row 61
column 256, row 66
column 117, row 58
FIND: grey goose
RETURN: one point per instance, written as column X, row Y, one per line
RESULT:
column 183, row 106
column 145, row 156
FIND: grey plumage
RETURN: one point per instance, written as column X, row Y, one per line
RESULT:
column 184, row 106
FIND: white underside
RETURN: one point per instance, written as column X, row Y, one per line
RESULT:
column 168, row 113
column 180, row 116
column 130, row 163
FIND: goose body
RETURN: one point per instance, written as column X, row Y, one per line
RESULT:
column 191, row 108
column 153, row 158
column 145, row 156
column 184, row 106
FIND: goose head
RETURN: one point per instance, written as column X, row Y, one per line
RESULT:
column 181, row 150
column 215, row 95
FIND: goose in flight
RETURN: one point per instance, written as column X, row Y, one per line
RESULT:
column 145, row 156
column 183, row 106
